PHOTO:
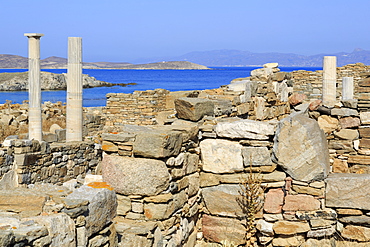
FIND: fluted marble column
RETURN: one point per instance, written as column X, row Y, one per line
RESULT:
column 347, row 88
column 34, row 87
column 74, row 90
column 329, row 81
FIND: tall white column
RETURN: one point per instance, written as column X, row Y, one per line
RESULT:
column 34, row 87
column 74, row 90
column 329, row 80
column 347, row 88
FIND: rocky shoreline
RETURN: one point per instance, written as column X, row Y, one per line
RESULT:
column 49, row 81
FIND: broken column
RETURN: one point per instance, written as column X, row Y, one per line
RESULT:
column 347, row 88
column 329, row 80
column 34, row 86
column 74, row 90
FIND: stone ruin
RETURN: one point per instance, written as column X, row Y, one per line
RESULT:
column 170, row 172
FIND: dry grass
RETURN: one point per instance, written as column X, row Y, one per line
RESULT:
column 251, row 202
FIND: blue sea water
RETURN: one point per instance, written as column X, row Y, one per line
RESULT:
column 173, row 80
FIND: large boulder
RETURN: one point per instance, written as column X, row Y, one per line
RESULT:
column 135, row 176
column 348, row 191
column 99, row 216
column 216, row 156
column 194, row 108
column 157, row 143
column 245, row 128
column 301, row 149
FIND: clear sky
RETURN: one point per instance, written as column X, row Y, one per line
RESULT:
column 124, row 30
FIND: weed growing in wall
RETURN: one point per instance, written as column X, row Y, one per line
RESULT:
column 251, row 202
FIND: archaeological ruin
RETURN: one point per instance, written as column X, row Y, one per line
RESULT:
column 273, row 159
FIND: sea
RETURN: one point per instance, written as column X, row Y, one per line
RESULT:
column 172, row 80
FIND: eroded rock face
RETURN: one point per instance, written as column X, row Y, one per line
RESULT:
column 193, row 108
column 102, row 206
column 135, row 176
column 245, row 128
column 301, row 149
column 216, row 156
column 348, row 191
column 218, row 229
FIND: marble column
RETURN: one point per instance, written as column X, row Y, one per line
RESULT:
column 347, row 88
column 329, row 81
column 34, row 87
column 74, row 90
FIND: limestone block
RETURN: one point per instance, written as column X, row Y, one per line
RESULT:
column 274, row 201
column 238, row 86
column 222, row 200
column 356, row 220
column 290, row 227
column 344, row 190
column 193, row 108
column 344, row 112
column 359, row 159
column 119, row 137
column 61, row 229
column 135, row 176
column 216, row 155
column 256, row 156
column 288, row 241
column 245, row 128
column 358, row 233
column 61, row 134
column 301, row 203
column 98, row 216
column 365, row 132
column 263, row 73
column 188, row 129
column 349, row 122
column 365, row 117
column 300, row 148
column 157, row 143
column 222, row 107
column 347, row 134
column 217, row 229
column 265, row 227
column 323, row 232
column 271, row 65
column 328, row 124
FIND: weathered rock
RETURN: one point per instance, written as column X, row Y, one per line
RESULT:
column 327, row 214
column 262, row 74
column 365, row 117
column 7, row 238
column 308, row 190
column 300, row 148
column 238, row 86
column 301, row 203
column 265, row 227
column 297, row 98
column 328, row 124
column 347, row 134
column 288, row 241
column 349, row 122
column 356, row 220
column 344, row 112
column 365, row 132
column 256, row 156
column 245, row 128
column 319, row 243
column 216, row 156
column 217, row 229
column 101, row 209
column 222, row 200
column 157, row 143
column 135, row 176
column 193, row 108
column 24, row 203
column 290, row 227
column 359, row 233
column 359, row 159
column 274, row 201
column 346, row 190
column 61, row 229
column 123, row 205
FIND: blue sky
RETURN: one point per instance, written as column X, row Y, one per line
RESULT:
column 125, row 30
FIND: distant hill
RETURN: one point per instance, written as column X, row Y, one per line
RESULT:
column 13, row 61
column 245, row 58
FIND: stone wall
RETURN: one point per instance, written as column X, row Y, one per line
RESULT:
column 50, row 215
column 28, row 162
column 138, row 108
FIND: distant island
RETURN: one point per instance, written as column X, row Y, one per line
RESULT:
column 19, row 62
